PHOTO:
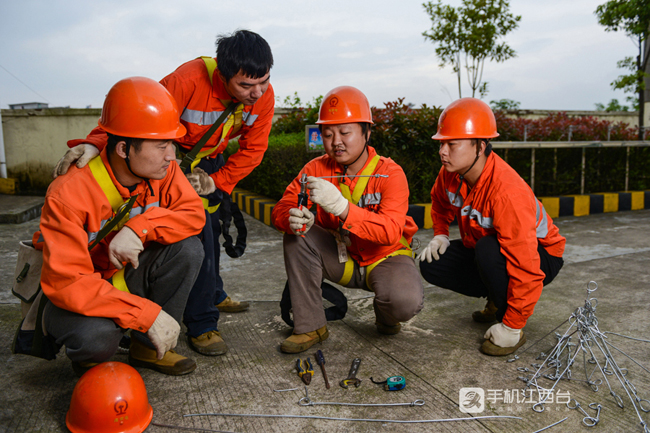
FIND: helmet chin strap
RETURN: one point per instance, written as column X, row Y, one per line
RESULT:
column 462, row 176
column 127, row 150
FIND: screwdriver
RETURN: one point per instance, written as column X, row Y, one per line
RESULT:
column 302, row 197
column 320, row 360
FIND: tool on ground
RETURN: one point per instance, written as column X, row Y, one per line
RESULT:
column 393, row 383
column 320, row 360
column 305, row 370
column 303, row 197
column 352, row 379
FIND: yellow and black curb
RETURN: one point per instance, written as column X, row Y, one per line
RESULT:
column 260, row 207
column 255, row 205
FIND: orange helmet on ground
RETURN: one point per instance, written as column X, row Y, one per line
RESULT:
column 466, row 118
column 140, row 107
column 344, row 104
column 109, row 398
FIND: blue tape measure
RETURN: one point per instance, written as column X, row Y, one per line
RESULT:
column 393, row 383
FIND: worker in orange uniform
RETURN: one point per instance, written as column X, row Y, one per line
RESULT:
column 360, row 236
column 204, row 89
column 141, row 272
column 509, row 247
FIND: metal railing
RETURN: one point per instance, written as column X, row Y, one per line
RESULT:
column 533, row 145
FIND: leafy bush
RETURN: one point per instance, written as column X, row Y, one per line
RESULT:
column 403, row 133
column 558, row 171
column 282, row 161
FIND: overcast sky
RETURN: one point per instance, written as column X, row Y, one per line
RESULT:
column 69, row 53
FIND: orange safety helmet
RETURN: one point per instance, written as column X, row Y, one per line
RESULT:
column 140, row 107
column 466, row 118
column 344, row 104
column 109, row 398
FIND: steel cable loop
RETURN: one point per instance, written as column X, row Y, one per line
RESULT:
column 594, row 342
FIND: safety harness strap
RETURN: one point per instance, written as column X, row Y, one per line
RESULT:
column 192, row 158
column 347, row 272
column 362, row 182
column 120, row 207
column 404, row 252
column 354, row 198
column 105, row 183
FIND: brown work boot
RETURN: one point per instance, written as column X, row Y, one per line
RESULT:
column 300, row 342
column 209, row 344
column 230, row 306
column 172, row 363
column 487, row 314
column 492, row 349
column 80, row 368
column 388, row 329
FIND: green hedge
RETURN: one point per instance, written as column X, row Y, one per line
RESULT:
column 404, row 134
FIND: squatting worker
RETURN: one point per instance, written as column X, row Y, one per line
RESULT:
column 510, row 247
column 203, row 89
column 360, row 236
column 140, row 274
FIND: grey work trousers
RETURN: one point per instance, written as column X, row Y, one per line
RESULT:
column 396, row 281
column 165, row 276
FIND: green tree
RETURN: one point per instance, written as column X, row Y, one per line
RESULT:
column 470, row 34
column 613, row 105
column 632, row 17
column 505, row 104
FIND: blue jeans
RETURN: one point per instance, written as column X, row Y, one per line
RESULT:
column 201, row 314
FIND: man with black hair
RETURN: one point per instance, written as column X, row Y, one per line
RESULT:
column 204, row 88
column 509, row 247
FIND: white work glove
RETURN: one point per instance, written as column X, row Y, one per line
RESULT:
column 438, row 245
column 82, row 153
column 326, row 195
column 299, row 218
column 201, row 182
column 126, row 246
column 503, row 336
column 164, row 333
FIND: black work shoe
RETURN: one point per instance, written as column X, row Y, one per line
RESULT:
column 388, row 329
column 209, row 344
column 487, row 314
column 492, row 349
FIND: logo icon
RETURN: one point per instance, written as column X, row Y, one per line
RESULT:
column 120, row 407
column 334, row 102
column 471, row 400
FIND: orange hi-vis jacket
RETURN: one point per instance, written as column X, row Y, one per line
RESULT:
column 76, row 208
column 376, row 223
column 201, row 103
column 501, row 203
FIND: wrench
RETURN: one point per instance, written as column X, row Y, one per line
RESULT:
column 352, row 379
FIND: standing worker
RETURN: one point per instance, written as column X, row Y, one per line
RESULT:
column 510, row 247
column 204, row 88
column 104, row 274
column 360, row 236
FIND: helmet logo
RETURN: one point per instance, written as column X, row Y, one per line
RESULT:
column 333, row 103
column 121, row 406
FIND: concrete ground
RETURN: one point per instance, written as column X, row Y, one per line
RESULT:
column 437, row 351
